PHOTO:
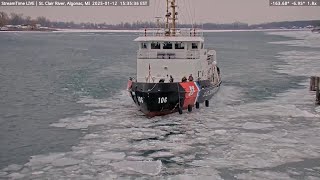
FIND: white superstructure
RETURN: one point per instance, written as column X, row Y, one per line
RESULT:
column 174, row 70
column 174, row 52
column 161, row 56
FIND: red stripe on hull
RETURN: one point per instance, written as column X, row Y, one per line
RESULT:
column 191, row 93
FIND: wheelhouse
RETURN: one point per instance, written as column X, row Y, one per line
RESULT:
column 178, row 55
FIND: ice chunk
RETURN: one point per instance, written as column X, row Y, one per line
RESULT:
column 292, row 154
column 264, row 175
column 161, row 154
column 44, row 159
column 220, row 132
column 312, row 178
column 137, row 158
column 47, row 168
column 295, row 173
column 65, row 162
column 253, row 125
column 25, row 170
column 178, row 159
column 200, row 163
column 16, row 176
column 192, row 177
column 37, row 173
column 91, row 136
column 109, row 155
column 3, row 174
column 13, row 167
column 71, row 168
column 143, row 167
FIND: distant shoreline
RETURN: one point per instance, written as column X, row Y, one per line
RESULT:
column 138, row 31
column 28, row 30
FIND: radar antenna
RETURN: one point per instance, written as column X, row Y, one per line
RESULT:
column 158, row 22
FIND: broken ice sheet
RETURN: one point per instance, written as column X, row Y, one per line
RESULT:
column 151, row 168
column 266, row 175
column 254, row 126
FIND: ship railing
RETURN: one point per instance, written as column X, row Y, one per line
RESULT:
column 155, row 54
column 212, row 53
column 181, row 32
column 211, row 56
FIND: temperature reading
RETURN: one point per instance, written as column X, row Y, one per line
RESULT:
column 279, row 3
column 299, row 3
column 294, row 2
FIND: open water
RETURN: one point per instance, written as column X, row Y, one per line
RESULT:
column 65, row 114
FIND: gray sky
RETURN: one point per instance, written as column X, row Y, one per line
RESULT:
column 201, row 11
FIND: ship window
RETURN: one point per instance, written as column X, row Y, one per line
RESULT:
column 155, row 45
column 202, row 45
column 167, row 45
column 194, row 45
column 144, row 46
column 179, row 45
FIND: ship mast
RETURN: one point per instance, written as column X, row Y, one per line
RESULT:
column 174, row 18
column 171, row 27
column 167, row 15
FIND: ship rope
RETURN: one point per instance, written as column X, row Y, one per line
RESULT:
column 189, row 11
column 184, row 16
column 186, row 12
column 153, row 87
column 179, row 93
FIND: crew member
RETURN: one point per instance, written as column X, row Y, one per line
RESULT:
column 171, row 79
column 184, row 79
column 190, row 78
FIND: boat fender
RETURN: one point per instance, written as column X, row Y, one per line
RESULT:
column 197, row 105
column 189, row 108
column 207, row 103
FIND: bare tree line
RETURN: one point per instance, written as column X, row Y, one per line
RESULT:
column 20, row 19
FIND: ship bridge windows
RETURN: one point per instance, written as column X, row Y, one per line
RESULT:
column 144, row 46
column 194, row 45
column 179, row 45
column 167, row 45
column 155, row 45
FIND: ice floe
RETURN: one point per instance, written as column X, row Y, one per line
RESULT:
column 143, row 167
column 253, row 125
column 267, row 175
column 62, row 162
column 13, row 167
column 302, row 38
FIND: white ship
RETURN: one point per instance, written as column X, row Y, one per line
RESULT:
column 175, row 71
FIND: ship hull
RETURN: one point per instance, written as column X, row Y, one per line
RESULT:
column 157, row 99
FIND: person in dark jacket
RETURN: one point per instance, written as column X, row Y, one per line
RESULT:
column 171, row 79
column 184, row 79
column 190, row 78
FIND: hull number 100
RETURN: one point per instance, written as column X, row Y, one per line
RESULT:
column 162, row 100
